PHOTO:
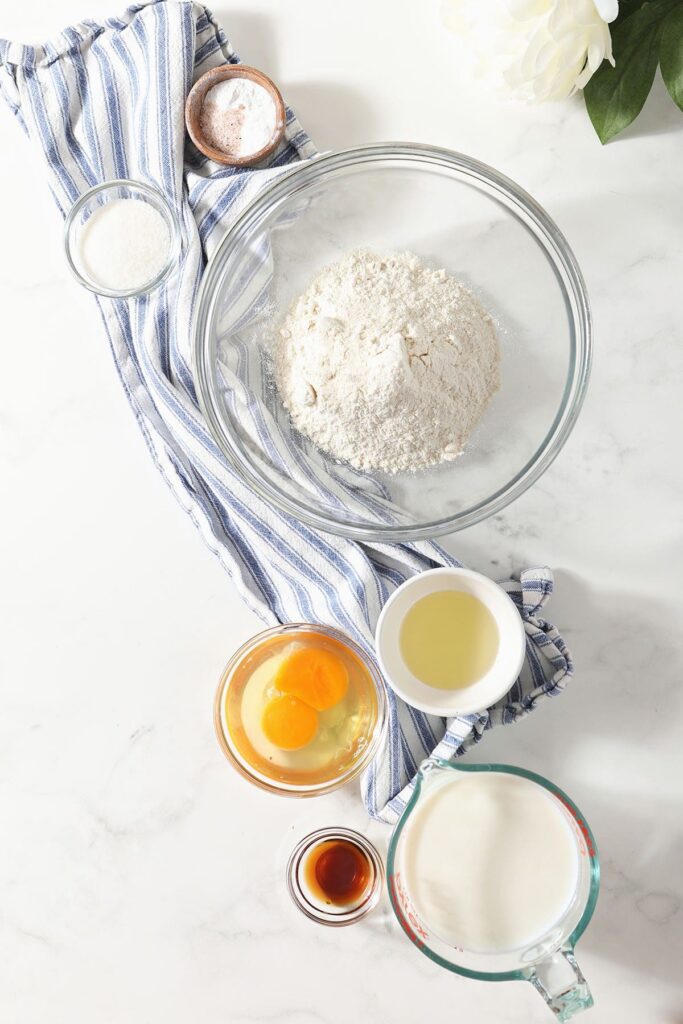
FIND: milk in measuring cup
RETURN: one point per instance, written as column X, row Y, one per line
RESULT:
column 491, row 862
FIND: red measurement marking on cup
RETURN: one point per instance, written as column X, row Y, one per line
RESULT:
column 405, row 913
column 582, row 826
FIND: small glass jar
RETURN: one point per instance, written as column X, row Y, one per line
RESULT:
column 310, row 904
column 94, row 199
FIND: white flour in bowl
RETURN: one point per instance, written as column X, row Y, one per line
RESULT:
column 386, row 363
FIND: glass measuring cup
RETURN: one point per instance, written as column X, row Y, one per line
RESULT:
column 548, row 962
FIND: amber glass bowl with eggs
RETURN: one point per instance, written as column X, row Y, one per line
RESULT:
column 300, row 710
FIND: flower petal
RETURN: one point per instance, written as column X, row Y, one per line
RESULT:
column 607, row 9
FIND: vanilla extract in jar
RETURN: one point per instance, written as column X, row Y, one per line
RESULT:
column 335, row 876
column 337, row 873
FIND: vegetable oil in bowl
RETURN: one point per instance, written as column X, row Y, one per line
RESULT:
column 449, row 639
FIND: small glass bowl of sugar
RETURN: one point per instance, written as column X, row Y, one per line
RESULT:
column 122, row 239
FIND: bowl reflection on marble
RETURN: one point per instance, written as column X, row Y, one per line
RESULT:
column 455, row 213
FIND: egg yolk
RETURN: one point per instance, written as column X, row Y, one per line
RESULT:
column 289, row 723
column 317, row 677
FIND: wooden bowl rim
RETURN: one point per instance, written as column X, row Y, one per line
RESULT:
column 193, row 105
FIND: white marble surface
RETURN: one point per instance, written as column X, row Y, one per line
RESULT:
column 140, row 879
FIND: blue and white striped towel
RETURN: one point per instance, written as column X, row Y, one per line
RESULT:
column 106, row 101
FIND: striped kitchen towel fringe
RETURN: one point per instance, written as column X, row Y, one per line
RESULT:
column 105, row 100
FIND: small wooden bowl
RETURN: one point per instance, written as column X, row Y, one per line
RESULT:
column 193, row 109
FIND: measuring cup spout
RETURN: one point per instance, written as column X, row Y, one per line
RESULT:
column 560, row 981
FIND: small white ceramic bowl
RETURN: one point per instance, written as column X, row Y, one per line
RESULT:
column 485, row 691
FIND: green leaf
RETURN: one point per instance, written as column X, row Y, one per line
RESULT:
column 615, row 95
column 627, row 7
column 671, row 54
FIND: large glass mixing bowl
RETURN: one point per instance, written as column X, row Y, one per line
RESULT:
column 455, row 213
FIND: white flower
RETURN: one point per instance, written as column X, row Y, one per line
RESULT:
column 540, row 49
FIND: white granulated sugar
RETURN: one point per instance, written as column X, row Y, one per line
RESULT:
column 386, row 363
column 238, row 116
column 124, row 244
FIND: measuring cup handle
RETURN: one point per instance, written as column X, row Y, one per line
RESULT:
column 559, row 980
